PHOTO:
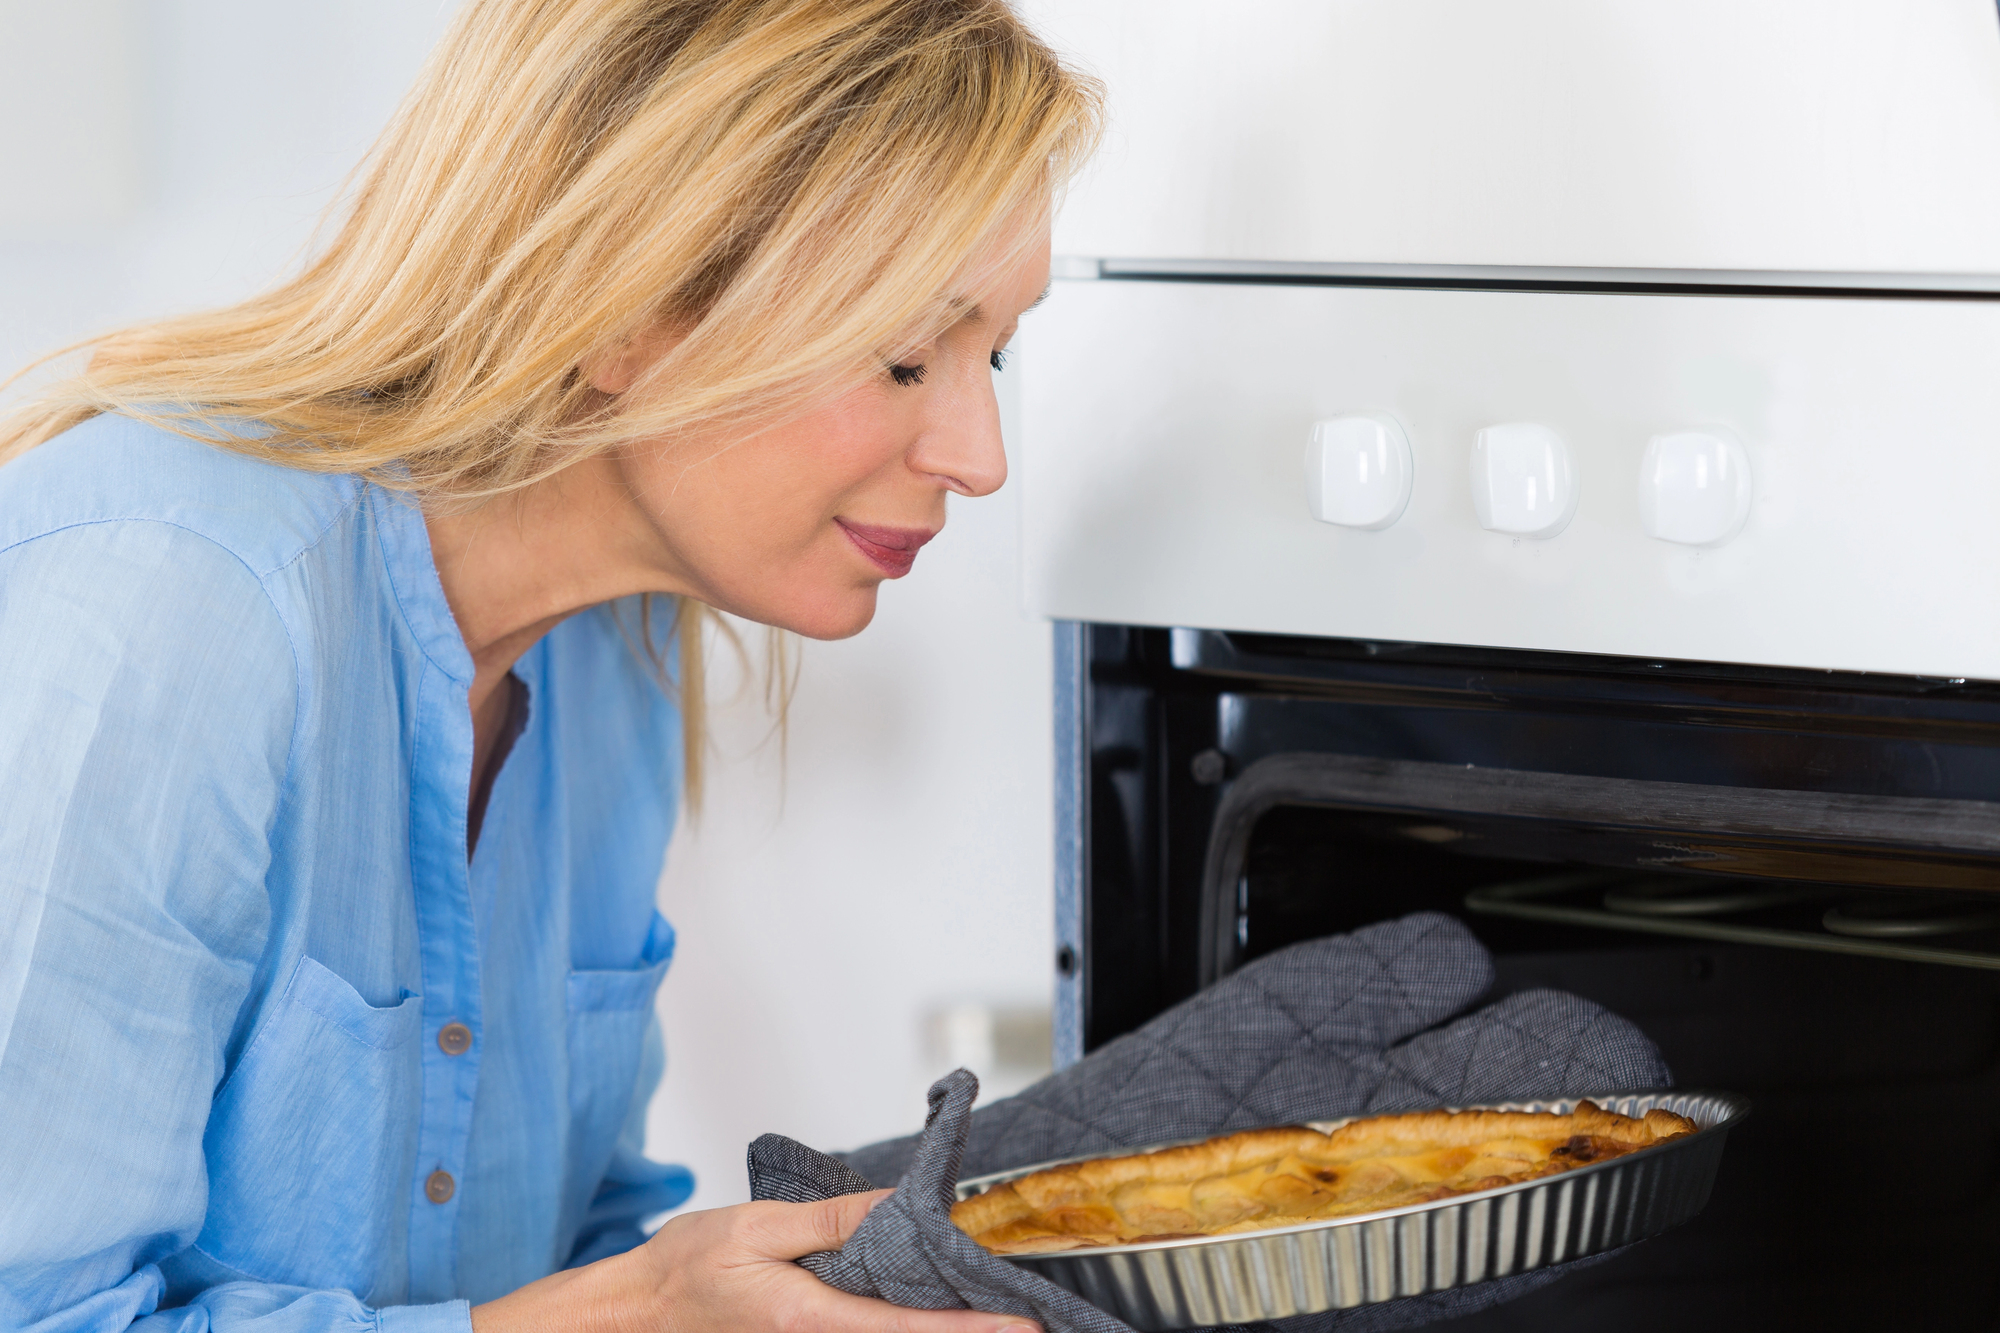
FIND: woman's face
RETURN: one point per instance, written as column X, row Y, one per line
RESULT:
column 798, row 524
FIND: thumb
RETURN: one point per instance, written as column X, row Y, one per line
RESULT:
column 794, row 1230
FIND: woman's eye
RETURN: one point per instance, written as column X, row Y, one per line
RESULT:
column 998, row 360
column 907, row 375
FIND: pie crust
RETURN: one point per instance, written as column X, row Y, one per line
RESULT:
column 1265, row 1178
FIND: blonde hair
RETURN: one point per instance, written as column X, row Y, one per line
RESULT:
column 796, row 184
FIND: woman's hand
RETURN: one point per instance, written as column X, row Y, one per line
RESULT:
column 727, row 1269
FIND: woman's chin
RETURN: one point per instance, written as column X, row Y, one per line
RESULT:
column 837, row 616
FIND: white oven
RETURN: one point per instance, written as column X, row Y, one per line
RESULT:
column 1537, row 459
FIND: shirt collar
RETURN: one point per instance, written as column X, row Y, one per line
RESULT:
column 406, row 549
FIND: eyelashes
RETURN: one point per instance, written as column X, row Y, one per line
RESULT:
column 906, row 376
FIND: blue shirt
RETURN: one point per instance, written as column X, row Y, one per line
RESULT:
column 236, row 911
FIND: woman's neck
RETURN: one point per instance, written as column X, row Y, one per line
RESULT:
column 515, row 567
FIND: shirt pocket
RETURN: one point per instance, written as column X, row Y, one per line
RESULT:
column 312, row 1141
column 609, row 1011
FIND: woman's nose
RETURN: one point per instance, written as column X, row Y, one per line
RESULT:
column 963, row 449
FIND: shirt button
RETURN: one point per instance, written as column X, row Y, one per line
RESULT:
column 440, row 1187
column 454, row 1039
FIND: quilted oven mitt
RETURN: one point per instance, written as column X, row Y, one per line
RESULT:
column 1351, row 1024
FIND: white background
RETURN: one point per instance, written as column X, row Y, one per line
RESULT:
column 173, row 154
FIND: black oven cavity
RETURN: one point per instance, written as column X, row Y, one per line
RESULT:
column 1789, row 879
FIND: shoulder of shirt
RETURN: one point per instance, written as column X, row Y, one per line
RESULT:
column 112, row 469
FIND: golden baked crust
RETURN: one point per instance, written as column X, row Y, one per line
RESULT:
column 1264, row 1178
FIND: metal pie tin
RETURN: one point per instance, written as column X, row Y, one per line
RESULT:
column 1342, row 1262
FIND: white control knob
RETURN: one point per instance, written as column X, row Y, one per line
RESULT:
column 1522, row 481
column 1694, row 487
column 1358, row 471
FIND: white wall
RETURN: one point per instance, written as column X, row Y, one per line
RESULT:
column 162, row 155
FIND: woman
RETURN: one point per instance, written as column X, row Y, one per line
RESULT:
column 343, row 747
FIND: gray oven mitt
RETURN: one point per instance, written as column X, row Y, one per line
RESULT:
column 1332, row 1027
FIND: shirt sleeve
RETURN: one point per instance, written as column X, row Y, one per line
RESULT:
column 635, row 1188
column 147, row 699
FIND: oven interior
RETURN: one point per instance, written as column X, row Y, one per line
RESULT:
column 1863, row 1189
column 1834, row 953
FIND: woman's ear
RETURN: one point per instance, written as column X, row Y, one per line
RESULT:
column 618, row 368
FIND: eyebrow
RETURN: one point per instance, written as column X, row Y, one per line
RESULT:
column 974, row 313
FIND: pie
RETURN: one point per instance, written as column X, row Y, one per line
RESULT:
column 1265, row 1178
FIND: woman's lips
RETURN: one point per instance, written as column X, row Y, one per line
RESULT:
column 893, row 550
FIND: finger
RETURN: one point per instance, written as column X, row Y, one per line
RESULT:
column 793, row 1230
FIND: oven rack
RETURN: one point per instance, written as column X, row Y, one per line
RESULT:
column 1824, row 917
